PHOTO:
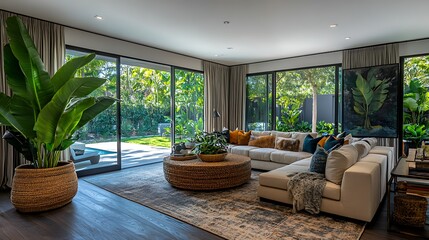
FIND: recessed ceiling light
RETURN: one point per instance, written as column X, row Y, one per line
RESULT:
column 229, row 48
column 98, row 17
column 347, row 38
column 333, row 25
column 226, row 22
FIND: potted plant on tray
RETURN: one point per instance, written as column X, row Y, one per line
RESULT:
column 210, row 147
column 41, row 116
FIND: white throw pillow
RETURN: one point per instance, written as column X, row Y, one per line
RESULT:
column 339, row 161
column 362, row 147
column 371, row 141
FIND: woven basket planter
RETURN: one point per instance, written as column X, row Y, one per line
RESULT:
column 35, row 190
column 212, row 157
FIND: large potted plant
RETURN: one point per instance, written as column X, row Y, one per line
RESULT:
column 210, row 147
column 41, row 115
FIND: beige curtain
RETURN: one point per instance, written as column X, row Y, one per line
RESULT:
column 237, row 97
column 373, row 56
column 216, row 92
column 49, row 40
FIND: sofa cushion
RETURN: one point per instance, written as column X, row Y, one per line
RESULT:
column 262, row 154
column 339, row 161
column 261, row 133
column 266, row 141
column 282, row 134
column 288, row 144
column 278, row 179
column 310, row 143
column 241, row 150
column 318, row 161
column 371, row 141
column 301, row 136
column 244, row 137
column 288, row 157
column 362, row 147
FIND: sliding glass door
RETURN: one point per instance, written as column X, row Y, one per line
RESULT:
column 189, row 104
column 96, row 149
column 145, row 112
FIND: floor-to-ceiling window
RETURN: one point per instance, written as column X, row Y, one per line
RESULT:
column 259, row 102
column 145, row 111
column 292, row 100
column 189, row 104
column 416, row 99
column 96, row 148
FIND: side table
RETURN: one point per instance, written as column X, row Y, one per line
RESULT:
column 402, row 172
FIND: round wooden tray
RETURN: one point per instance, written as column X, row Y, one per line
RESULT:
column 183, row 158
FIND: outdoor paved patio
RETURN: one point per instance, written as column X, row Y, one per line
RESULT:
column 132, row 155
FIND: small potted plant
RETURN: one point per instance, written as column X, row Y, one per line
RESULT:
column 210, row 147
column 190, row 143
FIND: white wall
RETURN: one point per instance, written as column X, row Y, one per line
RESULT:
column 92, row 41
column 405, row 49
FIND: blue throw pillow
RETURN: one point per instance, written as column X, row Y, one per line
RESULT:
column 331, row 142
column 318, row 160
column 310, row 144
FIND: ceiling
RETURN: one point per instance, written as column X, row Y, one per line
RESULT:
column 257, row 30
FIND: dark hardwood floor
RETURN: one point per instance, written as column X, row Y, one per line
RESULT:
column 99, row 214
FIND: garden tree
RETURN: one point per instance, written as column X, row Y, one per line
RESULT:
column 417, row 68
column 189, row 102
column 145, row 95
column 293, row 87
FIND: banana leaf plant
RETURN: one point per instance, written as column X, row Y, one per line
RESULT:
column 416, row 102
column 42, row 113
column 369, row 96
column 416, row 133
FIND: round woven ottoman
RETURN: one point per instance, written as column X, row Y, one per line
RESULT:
column 198, row 175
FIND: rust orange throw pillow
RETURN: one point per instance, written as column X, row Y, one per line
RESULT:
column 322, row 141
column 263, row 142
column 244, row 137
column 233, row 136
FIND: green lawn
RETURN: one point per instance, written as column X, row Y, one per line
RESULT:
column 151, row 140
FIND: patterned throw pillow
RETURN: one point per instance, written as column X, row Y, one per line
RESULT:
column 318, row 160
column 310, row 144
column 332, row 141
column 225, row 133
column 263, row 142
column 288, row 144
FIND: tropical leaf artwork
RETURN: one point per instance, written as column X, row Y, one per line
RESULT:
column 370, row 101
column 369, row 96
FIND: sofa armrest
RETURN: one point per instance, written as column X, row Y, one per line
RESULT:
column 360, row 190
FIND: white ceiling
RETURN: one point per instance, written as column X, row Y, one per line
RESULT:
column 258, row 30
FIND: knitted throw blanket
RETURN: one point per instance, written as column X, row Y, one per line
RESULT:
column 306, row 189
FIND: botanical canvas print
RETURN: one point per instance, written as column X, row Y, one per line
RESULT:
column 370, row 101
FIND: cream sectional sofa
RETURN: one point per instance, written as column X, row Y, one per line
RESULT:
column 360, row 192
column 363, row 183
column 271, row 158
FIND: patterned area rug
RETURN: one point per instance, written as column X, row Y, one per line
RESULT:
column 236, row 213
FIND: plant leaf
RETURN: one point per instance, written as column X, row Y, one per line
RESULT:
column 39, row 87
column 15, row 77
column 69, row 119
column 101, row 104
column 68, row 70
column 47, row 121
